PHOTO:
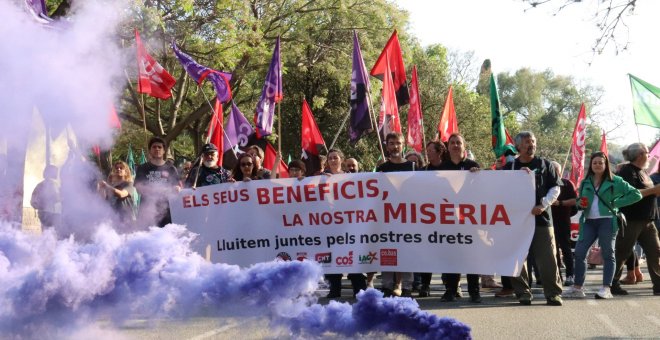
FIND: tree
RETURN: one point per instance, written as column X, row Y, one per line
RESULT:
column 548, row 105
column 609, row 17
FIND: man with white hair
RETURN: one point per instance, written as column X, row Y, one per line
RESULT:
column 210, row 172
column 548, row 185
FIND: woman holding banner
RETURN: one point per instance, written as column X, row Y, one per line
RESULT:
column 458, row 161
column 245, row 168
column 601, row 194
column 335, row 161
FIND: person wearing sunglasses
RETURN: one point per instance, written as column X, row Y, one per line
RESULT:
column 246, row 168
column 120, row 192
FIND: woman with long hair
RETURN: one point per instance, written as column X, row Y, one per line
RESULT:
column 119, row 191
column 245, row 168
column 600, row 196
column 334, row 165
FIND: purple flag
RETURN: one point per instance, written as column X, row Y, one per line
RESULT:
column 39, row 11
column 360, row 117
column 220, row 80
column 271, row 94
column 237, row 130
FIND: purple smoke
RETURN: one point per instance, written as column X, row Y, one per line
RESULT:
column 373, row 313
column 51, row 288
column 47, row 285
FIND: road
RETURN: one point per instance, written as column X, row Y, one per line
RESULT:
column 636, row 316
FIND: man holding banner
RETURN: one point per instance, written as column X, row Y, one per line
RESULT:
column 548, row 184
column 400, row 283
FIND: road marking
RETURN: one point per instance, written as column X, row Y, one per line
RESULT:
column 616, row 331
column 654, row 319
column 214, row 332
column 632, row 303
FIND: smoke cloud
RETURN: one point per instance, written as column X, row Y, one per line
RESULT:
column 63, row 281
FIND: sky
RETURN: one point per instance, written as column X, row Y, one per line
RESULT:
column 513, row 35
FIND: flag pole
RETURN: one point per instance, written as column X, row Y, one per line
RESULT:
column 208, row 140
column 563, row 167
column 341, row 128
column 374, row 125
column 426, row 155
column 208, row 137
column 276, row 165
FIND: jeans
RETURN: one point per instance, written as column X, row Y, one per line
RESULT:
column 592, row 229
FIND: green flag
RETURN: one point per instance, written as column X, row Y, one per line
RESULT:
column 499, row 140
column 646, row 102
column 130, row 159
column 143, row 158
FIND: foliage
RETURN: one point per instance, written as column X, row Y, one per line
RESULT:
column 239, row 36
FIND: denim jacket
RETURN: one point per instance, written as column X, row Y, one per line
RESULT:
column 617, row 193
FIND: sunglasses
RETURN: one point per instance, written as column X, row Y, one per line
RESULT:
column 246, row 164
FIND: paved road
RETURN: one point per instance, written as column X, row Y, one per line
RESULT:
column 634, row 316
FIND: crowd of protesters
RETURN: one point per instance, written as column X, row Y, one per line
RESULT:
column 142, row 200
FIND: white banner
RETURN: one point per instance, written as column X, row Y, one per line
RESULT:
column 430, row 221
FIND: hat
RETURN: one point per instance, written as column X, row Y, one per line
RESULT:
column 209, row 148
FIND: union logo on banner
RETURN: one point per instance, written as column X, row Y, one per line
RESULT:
column 325, row 259
column 388, row 257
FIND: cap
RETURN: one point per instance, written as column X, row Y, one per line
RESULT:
column 209, row 148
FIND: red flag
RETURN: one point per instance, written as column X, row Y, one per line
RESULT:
column 577, row 148
column 415, row 130
column 311, row 141
column 269, row 159
column 389, row 112
column 448, row 122
column 153, row 78
column 114, row 121
column 391, row 60
column 603, row 144
column 214, row 134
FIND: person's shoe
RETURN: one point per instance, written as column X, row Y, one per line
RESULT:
column 333, row 295
column 574, row 292
column 604, row 293
column 504, row 293
column 570, row 280
column 656, row 292
column 554, row 301
column 639, row 277
column 448, row 297
column 617, row 290
column 630, row 278
column 370, row 284
column 397, row 291
column 406, row 293
column 525, row 300
column 592, row 266
column 475, row 297
column 487, row 281
column 459, row 293
column 425, row 291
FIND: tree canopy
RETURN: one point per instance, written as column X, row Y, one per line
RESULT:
column 316, row 36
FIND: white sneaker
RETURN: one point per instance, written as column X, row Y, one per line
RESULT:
column 604, row 293
column 574, row 292
column 397, row 291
